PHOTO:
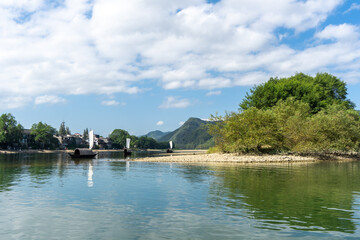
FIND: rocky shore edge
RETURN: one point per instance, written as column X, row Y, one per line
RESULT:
column 235, row 158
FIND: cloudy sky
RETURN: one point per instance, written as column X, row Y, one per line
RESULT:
column 142, row 65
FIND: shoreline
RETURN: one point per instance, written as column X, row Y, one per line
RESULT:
column 53, row 151
column 235, row 158
column 201, row 156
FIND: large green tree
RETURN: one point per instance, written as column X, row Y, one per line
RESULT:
column 289, row 126
column 319, row 92
column 300, row 114
column 44, row 135
column 10, row 131
column 118, row 138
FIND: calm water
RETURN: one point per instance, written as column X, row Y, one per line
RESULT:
column 49, row 196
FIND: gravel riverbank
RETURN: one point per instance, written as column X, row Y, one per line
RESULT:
column 235, row 158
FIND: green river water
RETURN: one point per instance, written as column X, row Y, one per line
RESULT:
column 50, row 196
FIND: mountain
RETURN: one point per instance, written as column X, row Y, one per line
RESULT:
column 156, row 134
column 191, row 135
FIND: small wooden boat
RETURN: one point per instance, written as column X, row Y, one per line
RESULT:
column 127, row 150
column 169, row 150
column 82, row 153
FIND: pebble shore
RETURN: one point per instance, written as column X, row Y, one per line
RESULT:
column 229, row 158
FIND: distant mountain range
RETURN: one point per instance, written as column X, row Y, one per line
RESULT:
column 191, row 135
column 156, row 134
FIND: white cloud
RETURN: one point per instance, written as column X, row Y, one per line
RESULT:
column 212, row 93
column 181, row 123
column 160, row 123
column 49, row 99
column 343, row 32
column 112, row 103
column 47, row 50
column 175, row 102
column 354, row 6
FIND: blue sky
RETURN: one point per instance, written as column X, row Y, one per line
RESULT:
column 143, row 65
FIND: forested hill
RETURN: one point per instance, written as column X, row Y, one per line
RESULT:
column 156, row 134
column 192, row 134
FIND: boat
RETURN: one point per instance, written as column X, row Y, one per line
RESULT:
column 169, row 150
column 84, row 152
column 127, row 150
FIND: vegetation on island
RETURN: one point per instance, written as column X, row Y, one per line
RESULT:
column 300, row 114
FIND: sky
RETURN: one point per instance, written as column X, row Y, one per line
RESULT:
column 145, row 65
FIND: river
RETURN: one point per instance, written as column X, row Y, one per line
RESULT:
column 50, row 196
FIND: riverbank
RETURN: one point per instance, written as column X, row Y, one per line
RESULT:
column 203, row 157
column 54, row 151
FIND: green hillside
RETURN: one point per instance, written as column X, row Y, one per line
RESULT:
column 156, row 134
column 191, row 135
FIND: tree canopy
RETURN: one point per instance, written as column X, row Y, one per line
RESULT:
column 300, row 114
column 10, row 131
column 62, row 129
column 318, row 92
column 118, row 138
column 44, row 134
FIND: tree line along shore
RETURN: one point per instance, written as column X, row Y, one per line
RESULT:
column 41, row 136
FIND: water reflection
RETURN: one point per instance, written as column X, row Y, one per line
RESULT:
column 315, row 197
column 150, row 200
column 90, row 175
column 38, row 167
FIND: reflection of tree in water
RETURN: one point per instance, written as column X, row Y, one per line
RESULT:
column 40, row 168
column 10, row 170
column 193, row 173
column 312, row 197
column 119, row 167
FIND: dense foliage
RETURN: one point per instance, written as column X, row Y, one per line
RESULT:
column 299, row 122
column 10, row 131
column 319, row 92
column 44, row 135
column 118, row 138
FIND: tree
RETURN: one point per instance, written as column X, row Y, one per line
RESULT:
column 86, row 133
column 147, row 143
column 250, row 131
column 118, row 138
column 62, row 129
column 68, row 132
column 44, row 135
column 289, row 126
column 300, row 114
column 319, row 92
column 10, row 131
